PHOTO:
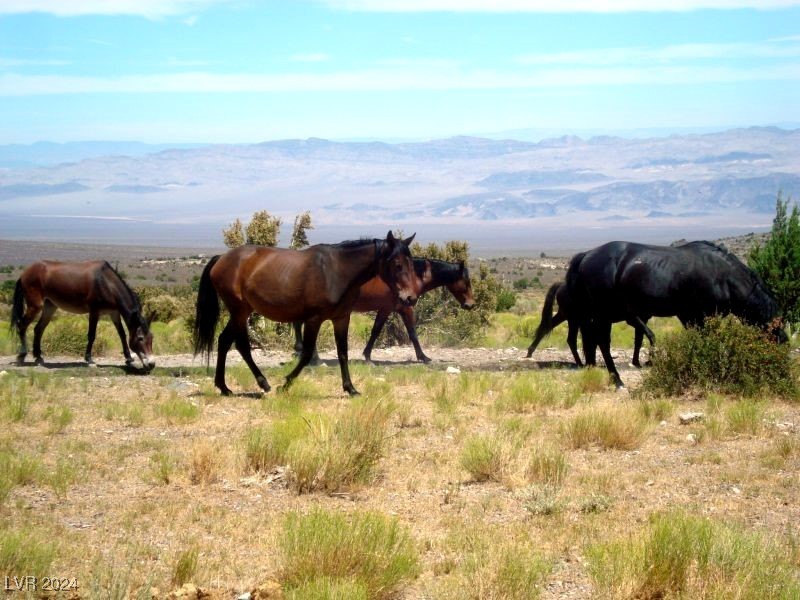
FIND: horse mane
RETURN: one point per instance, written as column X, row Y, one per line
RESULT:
column 356, row 243
column 131, row 294
column 445, row 271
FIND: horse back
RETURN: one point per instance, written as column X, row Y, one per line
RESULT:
column 71, row 286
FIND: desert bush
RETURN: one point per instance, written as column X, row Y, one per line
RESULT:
column 178, row 410
column 322, row 453
column 531, row 391
column 328, row 588
column 67, row 335
column 341, row 454
column 617, row 428
column 26, row 551
column 204, row 463
column 185, row 566
column 358, row 551
column 726, row 356
column 546, row 464
column 486, row 458
column 494, row 564
column 684, row 556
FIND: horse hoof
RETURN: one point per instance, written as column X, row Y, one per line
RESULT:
column 39, row 362
column 225, row 391
column 91, row 364
column 20, row 360
column 423, row 359
column 352, row 391
column 263, row 384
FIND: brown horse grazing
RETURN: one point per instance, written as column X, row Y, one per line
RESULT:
column 375, row 295
column 92, row 287
column 311, row 285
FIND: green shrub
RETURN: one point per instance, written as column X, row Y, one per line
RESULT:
column 67, row 335
column 725, row 356
column 340, row 454
column 777, row 261
column 683, row 556
column 362, row 551
column 328, row 588
column 268, row 447
column 485, row 458
column 26, row 552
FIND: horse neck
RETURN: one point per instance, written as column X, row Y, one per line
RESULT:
column 442, row 273
column 361, row 262
column 127, row 302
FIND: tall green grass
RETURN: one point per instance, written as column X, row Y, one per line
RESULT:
column 363, row 553
column 684, row 556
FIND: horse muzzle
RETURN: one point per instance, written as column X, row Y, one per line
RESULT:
column 408, row 299
column 467, row 305
column 148, row 362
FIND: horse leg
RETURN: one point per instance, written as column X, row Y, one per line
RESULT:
column 409, row 319
column 589, row 344
column 310, row 332
column 93, row 317
column 242, row 341
column 377, row 326
column 298, row 343
column 47, row 313
column 340, row 327
column 638, row 338
column 31, row 311
column 572, row 341
column 115, row 318
column 223, row 345
column 541, row 334
column 602, row 332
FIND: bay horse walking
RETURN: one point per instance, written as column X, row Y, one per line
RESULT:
column 375, row 295
column 692, row 281
column 569, row 312
column 92, row 287
column 312, row 285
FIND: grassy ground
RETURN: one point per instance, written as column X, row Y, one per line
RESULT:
column 486, row 484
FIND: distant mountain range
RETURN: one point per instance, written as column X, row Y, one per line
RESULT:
column 729, row 177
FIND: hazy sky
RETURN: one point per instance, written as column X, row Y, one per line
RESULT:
column 247, row 71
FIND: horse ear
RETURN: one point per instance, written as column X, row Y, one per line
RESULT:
column 390, row 237
column 151, row 316
column 408, row 241
column 461, row 266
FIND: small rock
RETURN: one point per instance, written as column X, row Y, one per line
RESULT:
column 649, row 482
column 663, row 424
column 245, row 596
column 692, row 439
column 453, row 370
column 155, row 593
column 188, row 591
column 3, row 373
column 690, row 417
column 736, row 490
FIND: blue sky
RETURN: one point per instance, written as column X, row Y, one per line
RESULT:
column 247, row 71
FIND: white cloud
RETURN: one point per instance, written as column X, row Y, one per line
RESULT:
column 152, row 9
column 666, row 54
column 391, row 79
column 552, row 6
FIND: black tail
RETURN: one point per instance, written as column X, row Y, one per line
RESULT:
column 546, row 323
column 206, row 313
column 18, row 308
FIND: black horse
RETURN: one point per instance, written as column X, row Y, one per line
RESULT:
column 569, row 312
column 624, row 280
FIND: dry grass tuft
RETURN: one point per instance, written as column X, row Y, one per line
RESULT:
column 612, row 428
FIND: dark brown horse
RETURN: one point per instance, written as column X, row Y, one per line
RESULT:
column 311, row 286
column 92, row 287
column 375, row 295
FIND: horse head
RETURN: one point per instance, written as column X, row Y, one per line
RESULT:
column 461, row 287
column 141, row 340
column 396, row 268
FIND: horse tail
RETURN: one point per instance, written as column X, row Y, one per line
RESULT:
column 17, row 308
column 546, row 324
column 206, row 312
column 572, row 272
